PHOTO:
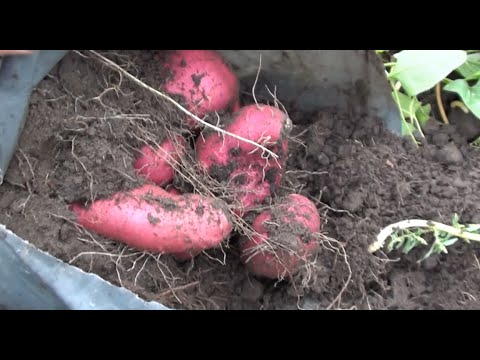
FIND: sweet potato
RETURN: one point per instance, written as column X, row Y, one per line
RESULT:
column 149, row 218
column 188, row 255
column 285, row 240
column 248, row 188
column 242, row 165
column 204, row 80
column 156, row 165
column 173, row 190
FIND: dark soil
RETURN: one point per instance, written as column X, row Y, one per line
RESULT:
column 75, row 148
column 374, row 179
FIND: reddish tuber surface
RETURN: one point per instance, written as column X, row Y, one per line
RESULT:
column 204, row 80
column 285, row 238
column 149, row 218
column 156, row 165
column 182, row 256
column 254, row 176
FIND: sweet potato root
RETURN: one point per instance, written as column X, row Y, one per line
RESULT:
column 285, row 238
column 203, row 79
column 252, row 175
column 157, row 165
column 149, row 218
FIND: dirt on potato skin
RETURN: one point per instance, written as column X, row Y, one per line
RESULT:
column 289, row 226
column 361, row 178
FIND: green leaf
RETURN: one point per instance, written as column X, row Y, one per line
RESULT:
column 391, row 244
column 472, row 228
column 408, row 105
column 411, row 243
column 430, row 252
column 456, row 221
column 474, row 76
column 471, row 68
column 439, row 247
column 395, row 244
column 450, row 241
column 470, row 94
column 423, row 114
column 420, row 70
column 422, row 241
column 476, row 142
column 408, row 128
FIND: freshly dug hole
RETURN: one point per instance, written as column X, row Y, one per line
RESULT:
column 364, row 178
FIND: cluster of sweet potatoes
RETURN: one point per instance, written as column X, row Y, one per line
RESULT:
column 159, row 219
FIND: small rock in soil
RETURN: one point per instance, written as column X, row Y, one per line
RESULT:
column 476, row 218
column 353, row 201
column 323, row 159
column 467, row 125
column 310, row 304
column 252, row 290
column 430, row 263
column 450, row 154
column 7, row 199
column 440, row 139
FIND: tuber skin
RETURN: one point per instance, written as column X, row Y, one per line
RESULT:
column 151, row 219
column 289, row 229
column 244, row 167
column 182, row 256
column 204, row 80
column 156, row 165
column 173, row 190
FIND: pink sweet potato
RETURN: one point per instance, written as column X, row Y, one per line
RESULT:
column 252, row 122
column 204, row 80
column 173, row 190
column 188, row 255
column 285, row 238
column 156, row 165
column 253, row 176
column 149, row 218
column 248, row 189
